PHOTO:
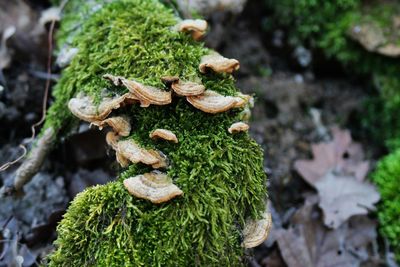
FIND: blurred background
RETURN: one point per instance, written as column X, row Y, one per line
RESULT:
column 325, row 76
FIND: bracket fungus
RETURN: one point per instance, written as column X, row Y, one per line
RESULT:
column 238, row 127
column 187, row 88
column 145, row 94
column 213, row 102
column 120, row 125
column 112, row 139
column 154, row 186
column 164, row 134
column 129, row 149
column 256, row 232
column 196, row 27
column 218, row 63
column 85, row 109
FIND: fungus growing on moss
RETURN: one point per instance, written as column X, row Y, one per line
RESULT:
column 218, row 63
column 196, row 27
column 164, row 134
column 84, row 107
column 186, row 88
column 221, row 175
column 213, row 102
column 145, row 94
column 153, row 186
column 120, row 125
column 129, row 149
column 256, row 232
column 238, row 127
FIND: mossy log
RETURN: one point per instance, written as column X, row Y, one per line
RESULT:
column 219, row 174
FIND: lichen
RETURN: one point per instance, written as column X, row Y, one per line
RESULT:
column 221, row 175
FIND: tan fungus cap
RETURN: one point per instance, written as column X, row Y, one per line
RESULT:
column 155, row 186
column 256, row 232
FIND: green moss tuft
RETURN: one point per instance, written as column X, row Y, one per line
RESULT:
column 387, row 177
column 220, row 174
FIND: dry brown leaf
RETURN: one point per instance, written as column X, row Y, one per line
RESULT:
column 309, row 243
column 337, row 172
column 342, row 197
column 341, row 155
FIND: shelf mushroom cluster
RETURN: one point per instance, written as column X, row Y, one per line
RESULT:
column 156, row 186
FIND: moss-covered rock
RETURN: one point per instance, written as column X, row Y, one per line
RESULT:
column 387, row 177
column 220, row 174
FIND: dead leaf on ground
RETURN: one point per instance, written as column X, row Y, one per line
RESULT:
column 309, row 243
column 337, row 172
column 341, row 155
column 342, row 197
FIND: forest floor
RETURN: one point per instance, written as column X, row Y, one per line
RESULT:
column 299, row 100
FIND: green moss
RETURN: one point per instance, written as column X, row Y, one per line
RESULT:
column 387, row 177
column 220, row 174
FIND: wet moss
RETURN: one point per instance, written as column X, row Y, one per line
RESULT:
column 220, row 174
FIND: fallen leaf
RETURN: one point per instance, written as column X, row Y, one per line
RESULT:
column 342, row 197
column 309, row 243
column 341, row 155
column 337, row 172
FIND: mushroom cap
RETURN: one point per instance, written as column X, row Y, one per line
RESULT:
column 218, row 63
column 112, row 139
column 187, row 88
column 164, row 134
column 124, row 162
column 243, row 99
column 196, row 27
column 145, row 94
column 120, row 124
column 212, row 102
column 84, row 108
column 256, row 232
column 132, row 151
column 155, row 186
column 149, row 94
column 238, row 127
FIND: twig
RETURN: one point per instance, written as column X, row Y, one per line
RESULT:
column 45, row 97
